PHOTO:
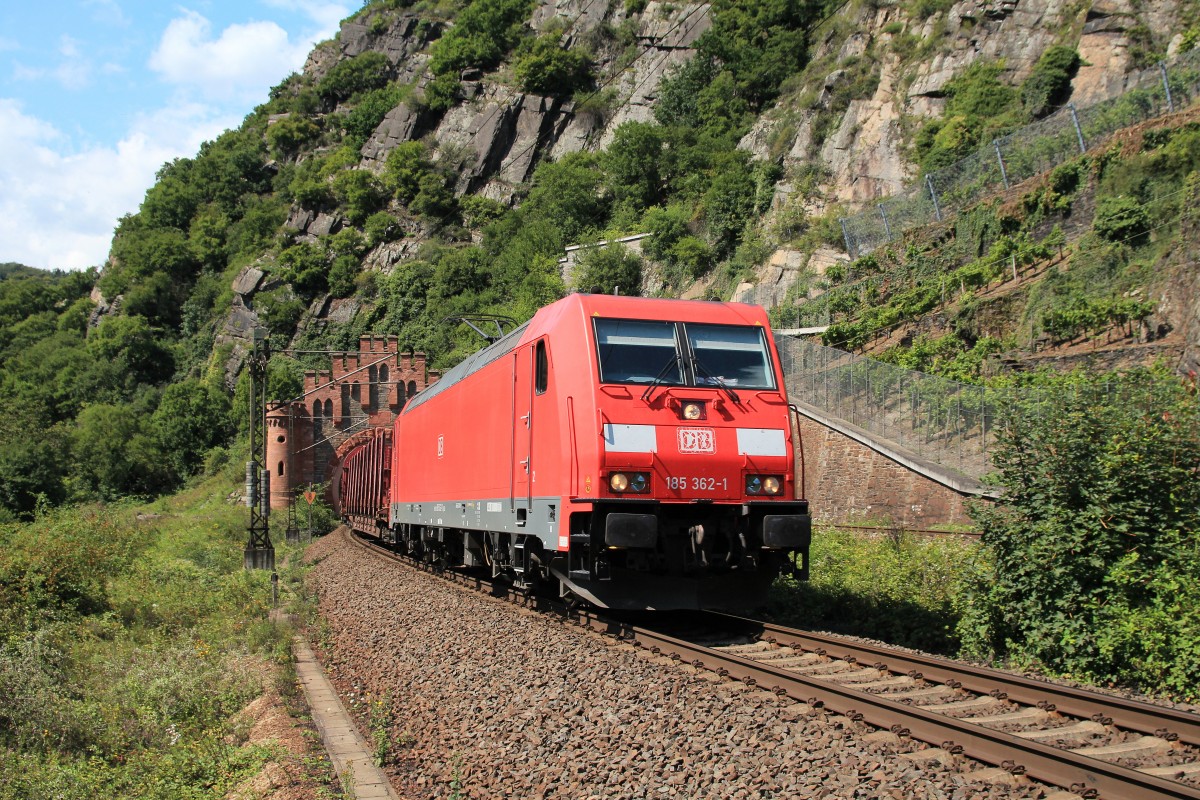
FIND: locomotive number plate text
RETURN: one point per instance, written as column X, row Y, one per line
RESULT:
column 696, row 483
column 697, row 440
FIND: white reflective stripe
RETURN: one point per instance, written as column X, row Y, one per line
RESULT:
column 630, row 438
column 761, row 442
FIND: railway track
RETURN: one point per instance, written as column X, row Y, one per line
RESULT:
column 1091, row 744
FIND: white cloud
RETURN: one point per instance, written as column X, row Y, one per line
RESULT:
column 74, row 72
column 240, row 64
column 107, row 11
column 62, row 205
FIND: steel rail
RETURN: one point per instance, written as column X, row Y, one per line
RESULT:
column 1079, row 773
column 1122, row 712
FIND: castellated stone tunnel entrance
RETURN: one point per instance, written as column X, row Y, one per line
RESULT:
column 363, row 390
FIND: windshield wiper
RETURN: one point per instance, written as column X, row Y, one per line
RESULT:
column 674, row 362
column 716, row 379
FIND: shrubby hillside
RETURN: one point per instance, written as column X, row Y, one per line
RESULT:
column 436, row 158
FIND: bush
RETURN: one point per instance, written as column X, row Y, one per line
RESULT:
column 1049, row 85
column 125, row 650
column 442, row 92
column 381, row 228
column 369, row 110
column 362, row 73
column 1093, row 546
column 402, row 172
column 287, row 136
column 544, row 67
column 693, row 255
column 1121, row 219
column 605, row 269
column 483, row 32
column 359, row 193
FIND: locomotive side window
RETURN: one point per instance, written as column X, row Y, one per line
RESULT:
column 730, row 355
column 637, row 351
column 542, row 377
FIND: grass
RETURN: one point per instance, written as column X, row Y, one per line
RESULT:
column 130, row 637
column 902, row 589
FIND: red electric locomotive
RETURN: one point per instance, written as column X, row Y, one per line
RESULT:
column 637, row 452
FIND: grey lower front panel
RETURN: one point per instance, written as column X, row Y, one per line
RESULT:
column 539, row 517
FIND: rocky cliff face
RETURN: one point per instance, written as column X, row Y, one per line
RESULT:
column 842, row 130
column 861, row 149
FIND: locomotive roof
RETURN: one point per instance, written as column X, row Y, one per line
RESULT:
column 472, row 363
column 596, row 305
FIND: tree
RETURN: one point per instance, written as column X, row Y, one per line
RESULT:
column 608, row 269
column 133, row 349
column 632, row 163
column 728, row 204
column 568, row 192
column 545, row 67
column 114, row 455
column 190, row 419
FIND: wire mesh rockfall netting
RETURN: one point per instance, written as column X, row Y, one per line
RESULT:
column 1027, row 152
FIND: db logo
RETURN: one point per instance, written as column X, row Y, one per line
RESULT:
column 697, row 440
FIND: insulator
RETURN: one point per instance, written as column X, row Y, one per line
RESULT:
column 251, row 484
column 264, row 498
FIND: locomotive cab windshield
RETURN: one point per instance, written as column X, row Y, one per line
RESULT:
column 683, row 354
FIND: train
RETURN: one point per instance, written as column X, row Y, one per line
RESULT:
column 624, row 452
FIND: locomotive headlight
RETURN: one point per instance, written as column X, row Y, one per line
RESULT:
column 631, row 482
column 764, row 484
column 692, row 410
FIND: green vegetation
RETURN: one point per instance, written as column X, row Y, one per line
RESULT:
column 134, row 402
column 484, row 31
column 1100, row 291
column 980, row 106
column 900, row 588
column 128, row 643
column 1092, row 557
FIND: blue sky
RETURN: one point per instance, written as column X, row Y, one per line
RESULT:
column 95, row 95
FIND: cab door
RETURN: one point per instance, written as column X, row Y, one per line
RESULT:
column 530, row 379
column 520, row 494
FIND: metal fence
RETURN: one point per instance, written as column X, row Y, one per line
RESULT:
column 1025, row 153
column 943, row 421
column 937, row 419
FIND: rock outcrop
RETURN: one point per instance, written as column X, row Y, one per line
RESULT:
column 842, row 131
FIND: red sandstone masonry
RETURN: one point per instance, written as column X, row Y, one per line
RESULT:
column 365, row 389
column 849, row 482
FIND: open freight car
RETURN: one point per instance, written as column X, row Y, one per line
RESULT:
column 364, row 484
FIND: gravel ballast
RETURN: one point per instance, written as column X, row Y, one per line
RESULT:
column 491, row 700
